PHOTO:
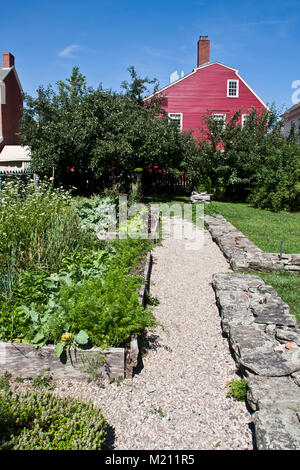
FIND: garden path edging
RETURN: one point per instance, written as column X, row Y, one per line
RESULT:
column 265, row 342
column 243, row 254
column 131, row 359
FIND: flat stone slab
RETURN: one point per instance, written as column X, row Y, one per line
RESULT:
column 273, row 392
column 268, row 363
column 277, row 429
column 255, row 352
column 251, row 316
column 24, row 360
column 284, row 334
column 275, row 315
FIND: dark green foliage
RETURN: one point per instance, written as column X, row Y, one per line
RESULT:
column 42, row 421
column 108, row 310
column 254, row 162
column 102, row 135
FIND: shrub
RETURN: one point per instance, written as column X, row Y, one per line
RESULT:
column 254, row 161
column 42, row 421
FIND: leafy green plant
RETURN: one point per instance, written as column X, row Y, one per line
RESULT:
column 38, row 227
column 87, row 297
column 108, row 310
column 158, row 411
column 4, row 381
column 42, row 421
column 44, row 380
column 68, row 341
column 117, row 381
column 237, row 388
column 97, row 214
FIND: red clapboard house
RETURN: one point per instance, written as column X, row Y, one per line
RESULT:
column 211, row 88
column 13, row 157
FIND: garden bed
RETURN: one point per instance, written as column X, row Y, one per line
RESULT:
column 73, row 308
column 25, row 360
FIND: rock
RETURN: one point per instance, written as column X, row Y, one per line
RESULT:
column 277, row 429
column 273, row 392
column 296, row 377
column 199, row 197
column 242, row 253
column 151, row 389
column 275, row 315
column 266, row 347
column 289, row 335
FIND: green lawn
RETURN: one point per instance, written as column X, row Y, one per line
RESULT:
column 265, row 228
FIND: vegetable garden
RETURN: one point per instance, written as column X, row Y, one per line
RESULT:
column 59, row 283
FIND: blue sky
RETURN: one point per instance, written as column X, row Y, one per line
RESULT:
column 259, row 38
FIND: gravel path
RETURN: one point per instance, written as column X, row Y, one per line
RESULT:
column 177, row 400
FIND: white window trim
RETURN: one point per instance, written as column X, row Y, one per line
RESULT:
column 218, row 116
column 244, row 117
column 172, row 119
column 237, row 88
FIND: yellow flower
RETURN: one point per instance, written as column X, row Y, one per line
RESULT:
column 66, row 337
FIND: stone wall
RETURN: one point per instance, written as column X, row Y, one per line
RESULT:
column 242, row 253
column 265, row 343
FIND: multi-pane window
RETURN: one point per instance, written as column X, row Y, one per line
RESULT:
column 177, row 117
column 232, row 88
column 219, row 117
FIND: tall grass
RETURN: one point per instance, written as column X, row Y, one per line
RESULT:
column 38, row 226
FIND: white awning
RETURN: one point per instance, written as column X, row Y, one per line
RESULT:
column 14, row 153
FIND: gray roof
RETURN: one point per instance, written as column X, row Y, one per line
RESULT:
column 4, row 73
column 296, row 106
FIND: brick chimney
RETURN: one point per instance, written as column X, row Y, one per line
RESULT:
column 203, row 50
column 8, row 60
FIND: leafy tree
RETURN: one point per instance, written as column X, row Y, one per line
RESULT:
column 100, row 135
column 254, row 161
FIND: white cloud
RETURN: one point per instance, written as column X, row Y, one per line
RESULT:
column 69, row 50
